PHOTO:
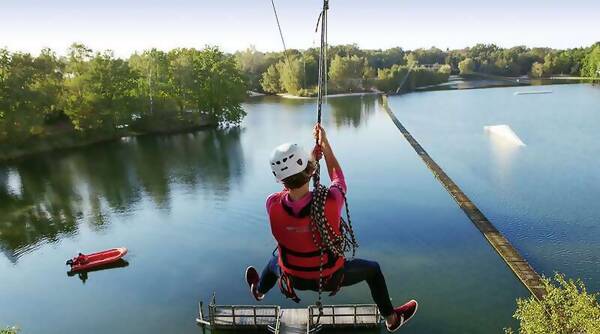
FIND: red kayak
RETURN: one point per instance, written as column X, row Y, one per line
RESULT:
column 84, row 262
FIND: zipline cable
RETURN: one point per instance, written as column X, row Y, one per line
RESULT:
column 405, row 78
column 285, row 53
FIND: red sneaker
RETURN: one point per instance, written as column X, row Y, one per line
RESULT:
column 252, row 278
column 404, row 313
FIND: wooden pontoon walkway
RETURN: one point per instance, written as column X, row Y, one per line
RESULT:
column 526, row 274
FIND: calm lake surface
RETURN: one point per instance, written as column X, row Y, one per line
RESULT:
column 190, row 208
column 544, row 196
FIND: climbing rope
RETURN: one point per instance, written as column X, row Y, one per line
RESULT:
column 323, row 234
column 322, row 79
column 330, row 241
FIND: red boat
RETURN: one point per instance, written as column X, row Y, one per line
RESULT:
column 84, row 262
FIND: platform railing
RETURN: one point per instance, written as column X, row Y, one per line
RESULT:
column 360, row 315
column 238, row 316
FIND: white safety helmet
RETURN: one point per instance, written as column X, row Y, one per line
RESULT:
column 288, row 159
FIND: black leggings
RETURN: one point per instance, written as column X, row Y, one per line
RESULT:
column 355, row 271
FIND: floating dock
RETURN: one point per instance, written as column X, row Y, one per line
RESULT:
column 277, row 320
column 534, row 92
column 520, row 267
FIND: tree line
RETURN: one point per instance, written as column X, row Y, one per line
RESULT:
column 89, row 93
column 535, row 62
column 95, row 94
column 353, row 69
column 350, row 69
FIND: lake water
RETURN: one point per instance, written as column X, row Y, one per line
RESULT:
column 190, row 208
column 543, row 196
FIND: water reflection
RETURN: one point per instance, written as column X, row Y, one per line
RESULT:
column 352, row 111
column 344, row 111
column 503, row 153
column 84, row 275
column 38, row 212
column 57, row 192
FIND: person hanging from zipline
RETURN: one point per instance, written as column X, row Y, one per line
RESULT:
column 312, row 237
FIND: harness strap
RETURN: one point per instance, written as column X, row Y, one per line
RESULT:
column 331, row 259
column 333, row 283
column 287, row 287
column 338, row 280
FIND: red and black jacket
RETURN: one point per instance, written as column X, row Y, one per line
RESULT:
column 298, row 255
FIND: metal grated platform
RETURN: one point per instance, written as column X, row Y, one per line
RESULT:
column 273, row 319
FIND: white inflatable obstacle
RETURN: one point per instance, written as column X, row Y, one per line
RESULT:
column 504, row 132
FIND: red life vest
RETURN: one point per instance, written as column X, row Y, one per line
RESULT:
column 298, row 255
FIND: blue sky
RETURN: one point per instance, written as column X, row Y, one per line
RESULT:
column 128, row 25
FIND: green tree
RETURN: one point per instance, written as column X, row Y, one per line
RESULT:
column 432, row 55
column 577, row 57
column 48, row 83
column 567, row 309
column 389, row 79
column 481, row 52
column 310, row 75
column 369, row 77
column 411, row 59
column 291, row 75
column 181, row 78
column 445, row 69
column 220, row 87
column 296, row 74
column 347, row 73
column 271, row 81
column 453, row 58
column 152, row 69
column 508, row 61
column 30, row 92
column 591, row 63
column 9, row 330
column 206, row 84
column 466, row 66
column 4, row 71
column 563, row 63
column 537, row 70
column 384, row 59
column 525, row 61
column 422, row 76
column 549, row 63
column 347, row 50
column 253, row 64
column 101, row 90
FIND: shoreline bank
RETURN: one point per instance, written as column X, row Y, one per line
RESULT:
column 295, row 97
column 49, row 144
column 456, row 82
column 74, row 141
